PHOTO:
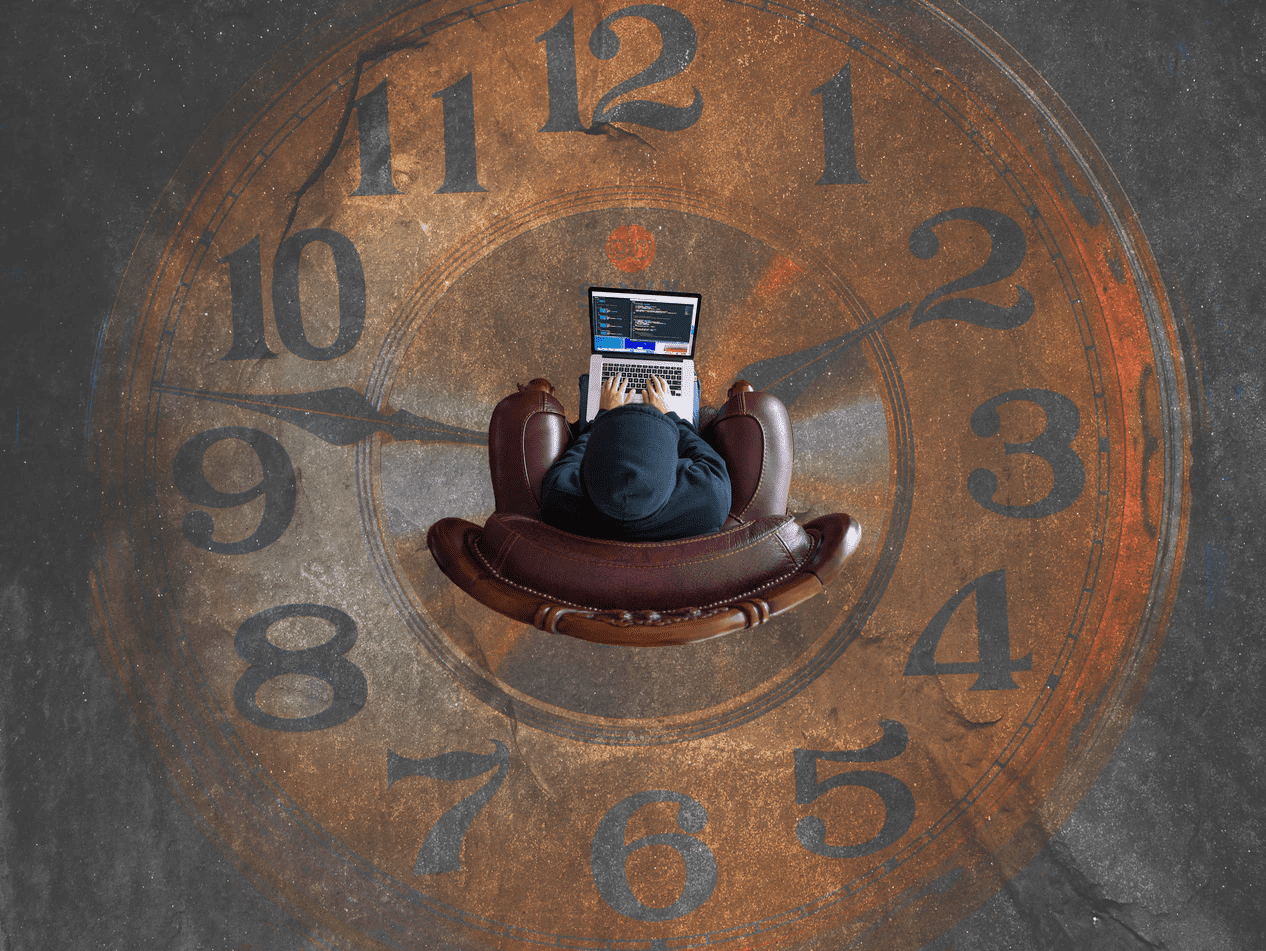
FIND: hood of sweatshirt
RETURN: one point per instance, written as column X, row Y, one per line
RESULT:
column 630, row 465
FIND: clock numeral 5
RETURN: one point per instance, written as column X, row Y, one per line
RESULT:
column 610, row 854
column 325, row 662
column 993, row 639
column 246, row 288
column 897, row 799
column 441, row 850
column 679, row 45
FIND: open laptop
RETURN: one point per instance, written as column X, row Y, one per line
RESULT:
column 642, row 334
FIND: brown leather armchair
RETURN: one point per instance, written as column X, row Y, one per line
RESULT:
column 643, row 593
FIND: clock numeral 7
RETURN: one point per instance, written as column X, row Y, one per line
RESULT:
column 897, row 799
column 441, row 850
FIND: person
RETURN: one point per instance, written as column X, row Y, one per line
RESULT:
column 637, row 472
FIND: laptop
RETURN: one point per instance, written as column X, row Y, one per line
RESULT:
column 640, row 334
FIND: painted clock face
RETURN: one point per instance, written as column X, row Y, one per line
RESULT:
column 895, row 227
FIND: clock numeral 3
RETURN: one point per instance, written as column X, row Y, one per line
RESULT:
column 679, row 45
column 897, row 799
column 276, row 485
column 1006, row 253
column 245, row 286
column 325, row 662
column 610, row 853
column 1053, row 443
column 441, row 850
column 993, row 639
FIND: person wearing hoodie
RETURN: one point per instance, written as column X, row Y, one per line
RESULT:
column 637, row 472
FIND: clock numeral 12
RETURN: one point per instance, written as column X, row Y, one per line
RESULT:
column 246, row 289
column 441, row 850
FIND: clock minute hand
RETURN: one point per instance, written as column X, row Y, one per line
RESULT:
column 340, row 416
column 788, row 375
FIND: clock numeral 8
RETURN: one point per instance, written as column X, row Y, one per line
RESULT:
column 610, row 853
column 324, row 662
column 897, row 799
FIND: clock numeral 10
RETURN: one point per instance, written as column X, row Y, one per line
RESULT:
column 246, row 289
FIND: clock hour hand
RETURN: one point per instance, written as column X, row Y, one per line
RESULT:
column 788, row 375
column 340, row 416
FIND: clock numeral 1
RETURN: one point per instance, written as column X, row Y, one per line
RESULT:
column 373, row 129
column 245, row 286
column 325, row 662
column 838, row 146
column 993, row 639
column 441, row 850
column 897, row 798
column 609, row 856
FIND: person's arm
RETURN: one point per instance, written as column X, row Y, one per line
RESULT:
column 702, row 476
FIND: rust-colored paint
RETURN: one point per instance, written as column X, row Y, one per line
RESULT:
column 852, row 299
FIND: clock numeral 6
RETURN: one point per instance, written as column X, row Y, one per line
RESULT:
column 610, row 853
column 246, row 289
column 1053, row 443
column 324, row 662
column 993, row 639
column 277, row 486
column 441, row 850
column 897, row 799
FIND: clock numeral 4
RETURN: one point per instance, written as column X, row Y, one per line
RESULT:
column 246, row 289
column 610, row 854
column 897, row 799
column 993, row 639
column 325, row 662
column 441, row 850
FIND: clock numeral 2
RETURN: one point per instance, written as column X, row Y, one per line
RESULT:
column 897, row 799
column 246, row 289
column 609, row 856
column 325, row 662
column 993, row 639
column 441, row 850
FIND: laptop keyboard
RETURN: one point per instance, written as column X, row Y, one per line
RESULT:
column 636, row 375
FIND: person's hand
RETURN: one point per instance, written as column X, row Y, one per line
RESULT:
column 612, row 393
column 656, row 393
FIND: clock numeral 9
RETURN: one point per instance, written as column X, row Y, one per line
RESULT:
column 441, row 850
column 325, row 662
column 1053, row 443
column 276, row 485
column 993, row 639
column 610, row 854
column 245, row 286
column 897, row 799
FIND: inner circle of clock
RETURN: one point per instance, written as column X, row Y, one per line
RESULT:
column 516, row 310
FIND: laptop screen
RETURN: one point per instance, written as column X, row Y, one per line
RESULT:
column 646, row 323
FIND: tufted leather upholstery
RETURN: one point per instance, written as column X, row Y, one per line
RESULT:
column 642, row 593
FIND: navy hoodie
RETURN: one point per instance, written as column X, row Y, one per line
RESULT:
column 636, row 474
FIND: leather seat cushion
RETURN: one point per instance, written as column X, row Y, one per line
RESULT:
column 696, row 572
